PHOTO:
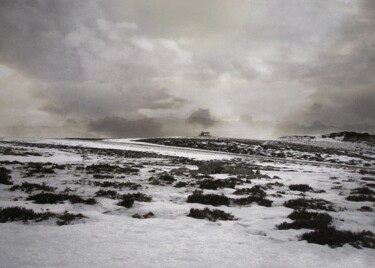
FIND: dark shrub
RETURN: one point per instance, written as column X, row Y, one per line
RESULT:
column 306, row 220
column 208, row 199
column 215, row 184
column 29, row 187
column 118, row 185
column 302, row 203
column 106, row 168
column 51, row 198
column 145, row 216
column 166, row 177
column 335, row 238
column 362, row 190
column 102, row 177
column 180, row 184
column 67, row 218
column 107, row 193
column 127, row 200
column 211, row 215
column 211, row 167
column 365, row 209
column 140, row 197
column 300, row 187
column 5, row 177
column 360, row 198
column 252, row 199
column 208, row 184
column 255, row 190
column 22, row 214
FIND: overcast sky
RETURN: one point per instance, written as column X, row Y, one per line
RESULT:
column 137, row 68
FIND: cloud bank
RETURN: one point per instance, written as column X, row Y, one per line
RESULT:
column 101, row 68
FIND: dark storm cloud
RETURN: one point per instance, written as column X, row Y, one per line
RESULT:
column 343, row 76
column 82, row 62
column 123, row 127
column 202, row 117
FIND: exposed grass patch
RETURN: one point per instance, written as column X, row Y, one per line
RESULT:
column 144, row 216
column 52, row 198
column 111, row 169
column 5, row 177
column 255, row 190
column 30, row 187
column 215, row 184
column 107, row 193
column 336, row 238
column 161, row 179
column 208, row 199
column 360, row 198
column 302, row 203
column 300, row 187
column 306, row 220
column 11, row 214
column 366, row 209
column 362, row 190
column 211, row 215
column 261, row 201
column 117, row 185
column 180, row 184
column 127, row 200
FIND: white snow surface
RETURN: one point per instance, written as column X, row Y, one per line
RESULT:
column 110, row 237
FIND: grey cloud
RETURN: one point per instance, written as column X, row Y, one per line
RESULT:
column 297, row 61
column 202, row 117
column 125, row 128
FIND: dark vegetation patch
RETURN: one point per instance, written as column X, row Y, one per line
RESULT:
column 371, row 185
column 211, row 215
column 368, row 179
column 39, row 170
column 111, row 169
column 208, row 199
column 215, row 184
column 302, row 203
column 30, row 187
column 102, row 177
column 361, row 194
column 336, row 238
column 55, row 198
column 144, row 216
column 25, row 215
column 362, row 190
column 306, row 220
column 220, row 167
column 360, row 198
column 300, row 187
column 180, row 184
column 162, row 178
column 107, row 193
column 261, row 201
column 365, row 209
column 117, row 185
column 127, row 200
column 5, row 177
column 255, row 190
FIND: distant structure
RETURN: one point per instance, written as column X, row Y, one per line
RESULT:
column 205, row 134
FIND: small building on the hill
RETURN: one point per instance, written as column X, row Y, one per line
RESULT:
column 205, row 134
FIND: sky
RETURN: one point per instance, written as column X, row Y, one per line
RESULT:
column 138, row 68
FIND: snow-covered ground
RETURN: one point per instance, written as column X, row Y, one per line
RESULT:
column 111, row 237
